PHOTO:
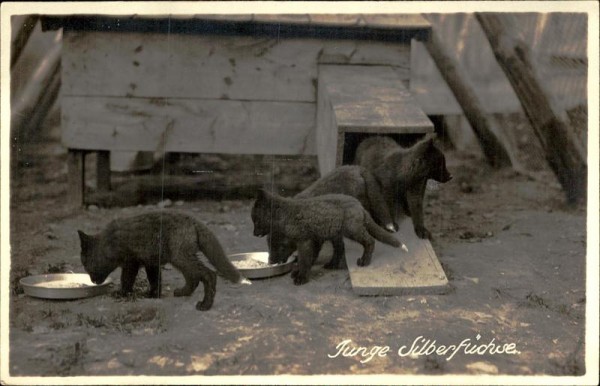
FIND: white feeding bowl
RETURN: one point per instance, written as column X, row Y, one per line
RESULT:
column 255, row 265
column 63, row 286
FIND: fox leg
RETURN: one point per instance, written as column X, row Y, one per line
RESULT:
column 380, row 209
column 391, row 201
column 209, row 282
column 188, row 264
column 129, row 272
column 154, row 279
column 338, row 253
column 306, row 255
column 195, row 272
column 414, row 197
column 363, row 237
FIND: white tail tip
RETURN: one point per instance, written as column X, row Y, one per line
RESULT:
column 245, row 281
column 404, row 247
column 390, row 228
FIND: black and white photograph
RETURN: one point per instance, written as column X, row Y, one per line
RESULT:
column 299, row 193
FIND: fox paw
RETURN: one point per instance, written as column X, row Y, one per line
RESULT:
column 422, row 232
column 330, row 265
column 153, row 294
column 362, row 262
column 299, row 280
column 122, row 293
column 203, row 306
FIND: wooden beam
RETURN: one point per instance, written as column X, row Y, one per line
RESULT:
column 103, row 170
column 494, row 150
column 76, row 177
column 562, row 152
column 21, row 38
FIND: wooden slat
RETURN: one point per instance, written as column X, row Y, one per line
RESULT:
column 405, row 21
column 76, row 177
column 222, row 17
column 212, row 67
column 395, row 272
column 359, row 83
column 344, row 20
column 398, row 27
column 188, row 125
column 372, row 99
column 382, row 117
column 281, row 18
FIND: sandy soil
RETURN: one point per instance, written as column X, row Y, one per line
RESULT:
column 514, row 254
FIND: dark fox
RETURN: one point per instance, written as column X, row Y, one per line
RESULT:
column 351, row 180
column 403, row 173
column 310, row 221
column 153, row 239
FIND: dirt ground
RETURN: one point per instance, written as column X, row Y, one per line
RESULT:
column 513, row 252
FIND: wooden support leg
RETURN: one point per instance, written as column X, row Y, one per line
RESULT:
column 76, row 171
column 103, row 170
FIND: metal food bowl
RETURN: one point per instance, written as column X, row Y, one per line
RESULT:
column 269, row 270
column 63, row 286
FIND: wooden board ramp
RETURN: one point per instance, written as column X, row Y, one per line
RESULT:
column 395, row 272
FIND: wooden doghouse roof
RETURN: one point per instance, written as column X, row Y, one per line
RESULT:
column 387, row 27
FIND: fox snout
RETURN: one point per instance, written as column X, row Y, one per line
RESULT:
column 444, row 176
column 97, row 279
column 259, row 233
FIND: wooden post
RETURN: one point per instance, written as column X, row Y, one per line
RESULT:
column 18, row 44
column 562, row 153
column 103, row 170
column 76, row 176
column 493, row 149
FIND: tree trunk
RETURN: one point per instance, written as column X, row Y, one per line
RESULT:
column 561, row 150
column 494, row 150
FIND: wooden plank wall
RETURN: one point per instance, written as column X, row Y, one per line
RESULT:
column 227, row 94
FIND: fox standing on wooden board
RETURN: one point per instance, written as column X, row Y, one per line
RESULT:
column 403, row 174
column 309, row 222
column 351, row 180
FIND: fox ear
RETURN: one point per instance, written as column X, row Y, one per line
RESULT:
column 426, row 143
column 83, row 237
column 430, row 137
column 261, row 193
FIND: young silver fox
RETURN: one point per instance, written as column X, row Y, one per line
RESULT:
column 153, row 239
column 308, row 222
column 351, row 180
column 403, row 173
